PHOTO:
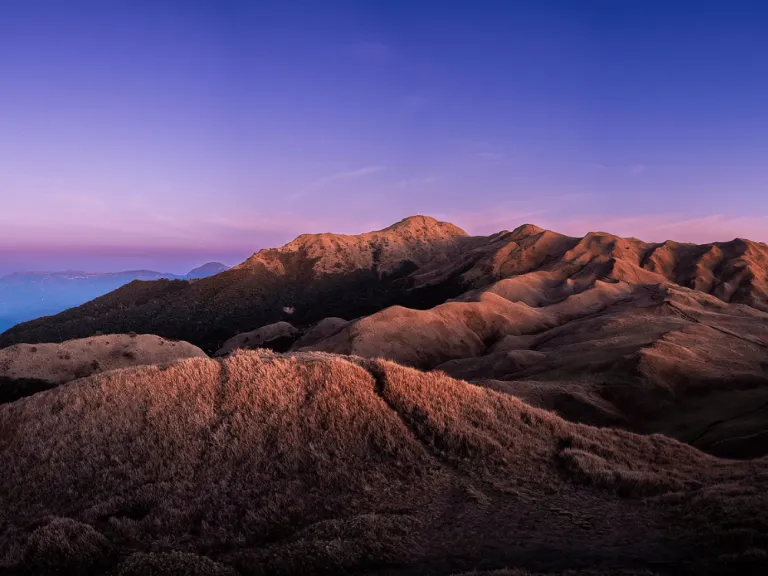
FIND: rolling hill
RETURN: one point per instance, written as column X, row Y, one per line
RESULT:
column 312, row 463
column 652, row 338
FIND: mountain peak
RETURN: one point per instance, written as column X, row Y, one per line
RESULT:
column 425, row 224
column 527, row 230
column 207, row 269
column 416, row 239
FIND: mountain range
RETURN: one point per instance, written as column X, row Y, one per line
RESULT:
column 406, row 401
column 418, row 263
column 28, row 295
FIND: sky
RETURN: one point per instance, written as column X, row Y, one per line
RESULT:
column 161, row 134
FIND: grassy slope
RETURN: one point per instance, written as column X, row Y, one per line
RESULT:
column 311, row 463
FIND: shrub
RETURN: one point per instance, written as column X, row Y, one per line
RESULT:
column 178, row 563
column 64, row 546
column 83, row 371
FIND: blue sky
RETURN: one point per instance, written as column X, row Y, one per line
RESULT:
column 158, row 134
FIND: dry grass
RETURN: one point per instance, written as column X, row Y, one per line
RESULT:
column 65, row 545
column 311, row 463
column 647, row 358
column 175, row 563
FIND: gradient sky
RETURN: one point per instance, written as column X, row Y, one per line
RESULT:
column 164, row 133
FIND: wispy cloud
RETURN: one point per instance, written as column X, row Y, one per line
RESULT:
column 417, row 181
column 345, row 175
column 489, row 153
column 490, row 156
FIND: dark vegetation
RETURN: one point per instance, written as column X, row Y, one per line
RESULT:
column 209, row 311
column 12, row 389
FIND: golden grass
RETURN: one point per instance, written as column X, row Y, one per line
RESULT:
column 316, row 464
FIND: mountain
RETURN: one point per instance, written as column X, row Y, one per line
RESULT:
column 516, row 404
column 206, row 270
column 27, row 295
column 317, row 464
column 646, row 358
column 652, row 338
column 313, row 277
column 418, row 263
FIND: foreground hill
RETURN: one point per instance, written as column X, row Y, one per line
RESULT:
column 418, row 263
column 312, row 463
column 26, row 369
column 27, row 295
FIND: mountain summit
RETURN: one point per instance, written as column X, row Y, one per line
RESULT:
column 208, row 269
column 417, row 239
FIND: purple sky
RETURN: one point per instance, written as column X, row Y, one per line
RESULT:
column 162, row 134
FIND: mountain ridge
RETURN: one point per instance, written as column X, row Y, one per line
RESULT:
column 418, row 262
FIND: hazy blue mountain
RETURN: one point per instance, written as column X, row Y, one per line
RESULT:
column 206, row 270
column 28, row 295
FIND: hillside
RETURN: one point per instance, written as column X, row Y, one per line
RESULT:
column 646, row 358
column 26, row 369
column 312, row 463
column 418, row 263
column 313, row 277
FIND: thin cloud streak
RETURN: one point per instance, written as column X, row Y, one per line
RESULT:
column 325, row 181
column 417, row 181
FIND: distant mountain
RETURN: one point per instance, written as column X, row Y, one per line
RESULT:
column 206, row 270
column 28, row 295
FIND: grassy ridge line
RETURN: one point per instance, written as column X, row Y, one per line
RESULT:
column 312, row 463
